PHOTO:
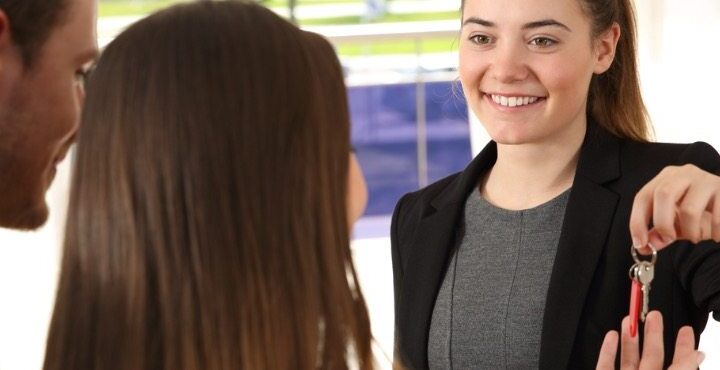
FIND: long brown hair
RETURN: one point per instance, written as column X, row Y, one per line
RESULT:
column 614, row 99
column 207, row 222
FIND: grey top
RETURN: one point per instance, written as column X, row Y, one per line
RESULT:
column 489, row 310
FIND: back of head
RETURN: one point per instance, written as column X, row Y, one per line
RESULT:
column 31, row 22
column 207, row 221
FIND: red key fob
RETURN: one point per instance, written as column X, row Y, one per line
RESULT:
column 635, row 302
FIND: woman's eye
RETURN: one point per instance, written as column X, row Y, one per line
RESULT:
column 480, row 39
column 542, row 42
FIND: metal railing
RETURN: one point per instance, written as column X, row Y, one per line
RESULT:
column 392, row 32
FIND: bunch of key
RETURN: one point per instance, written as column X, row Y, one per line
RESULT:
column 641, row 275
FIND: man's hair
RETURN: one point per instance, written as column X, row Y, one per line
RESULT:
column 31, row 22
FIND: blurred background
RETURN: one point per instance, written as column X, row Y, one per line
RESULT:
column 410, row 127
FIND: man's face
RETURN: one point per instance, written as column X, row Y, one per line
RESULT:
column 40, row 111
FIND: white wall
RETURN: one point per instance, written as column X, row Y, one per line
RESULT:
column 29, row 263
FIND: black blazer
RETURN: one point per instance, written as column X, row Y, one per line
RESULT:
column 589, row 285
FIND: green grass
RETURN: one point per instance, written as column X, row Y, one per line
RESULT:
column 110, row 8
column 138, row 7
column 439, row 45
column 284, row 3
column 357, row 19
column 436, row 45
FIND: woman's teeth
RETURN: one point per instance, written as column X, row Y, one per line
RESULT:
column 514, row 101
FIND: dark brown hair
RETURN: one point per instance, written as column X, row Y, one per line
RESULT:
column 207, row 226
column 31, row 22
column 614, row 99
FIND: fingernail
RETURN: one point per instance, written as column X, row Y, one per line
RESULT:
column 636, row 243
column 700, row 358
column 666, row 240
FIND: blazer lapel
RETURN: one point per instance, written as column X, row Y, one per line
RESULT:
column 433, row 245
column 588, row 218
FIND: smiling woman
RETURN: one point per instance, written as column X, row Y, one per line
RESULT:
column 521, row 260
column 521, row 59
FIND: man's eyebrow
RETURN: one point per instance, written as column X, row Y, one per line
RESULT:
column 89, row 56
column 526, row 26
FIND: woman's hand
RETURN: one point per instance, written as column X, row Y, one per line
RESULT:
column 685, row 358
column 683, row 203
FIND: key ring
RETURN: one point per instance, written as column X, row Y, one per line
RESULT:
column 632, row 273
column 637, row 259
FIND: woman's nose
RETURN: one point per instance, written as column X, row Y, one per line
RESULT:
column 508, row 64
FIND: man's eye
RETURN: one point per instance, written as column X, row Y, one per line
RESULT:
column 83, row 74
column 481, row 39
column 542, row 42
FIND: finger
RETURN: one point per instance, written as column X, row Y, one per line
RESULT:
column 715, row 216
column 641, row 214
column 657, row 241
column 653, row 354
column 666, row 197
column 629, row 357
column 706, row 227
column 684, row 344
column 608, row 351
column 686, row 357
column 691, row 209
column 689, row 362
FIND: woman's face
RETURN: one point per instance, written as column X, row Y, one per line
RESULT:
column 526, row 66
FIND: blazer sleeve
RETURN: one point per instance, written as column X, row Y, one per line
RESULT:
column 397, row 264
column 698, row 266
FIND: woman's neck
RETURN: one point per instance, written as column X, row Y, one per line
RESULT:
column 527, row 175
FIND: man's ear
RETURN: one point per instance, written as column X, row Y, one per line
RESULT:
column 5, row 32
column 11, row 66
column 605, row 47
column 6, row 41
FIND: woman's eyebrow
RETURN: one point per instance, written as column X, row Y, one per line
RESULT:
column 545, row 23
column 526, row 26
column 479, row 21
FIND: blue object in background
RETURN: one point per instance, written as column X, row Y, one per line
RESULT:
column 384, row 134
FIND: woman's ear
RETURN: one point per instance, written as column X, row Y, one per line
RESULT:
column 605, row 47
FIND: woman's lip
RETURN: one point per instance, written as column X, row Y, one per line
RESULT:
column 490, row 100
column 508, row 95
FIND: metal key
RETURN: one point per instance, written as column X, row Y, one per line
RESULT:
column 641, row 275
column 645, row 274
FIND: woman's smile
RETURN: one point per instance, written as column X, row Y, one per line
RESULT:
column 513, row 102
